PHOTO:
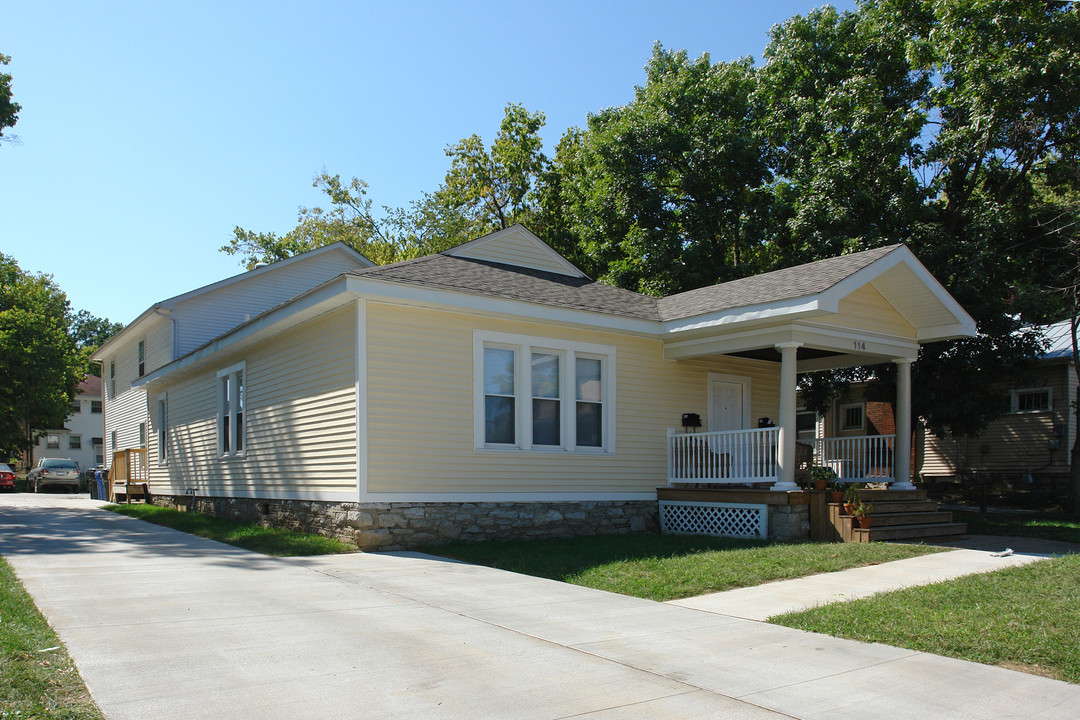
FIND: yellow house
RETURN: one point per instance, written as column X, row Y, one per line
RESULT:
column 495, row 390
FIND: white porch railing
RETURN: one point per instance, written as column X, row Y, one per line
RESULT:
column 732, row 456
column 865, row 458
column 747, row 456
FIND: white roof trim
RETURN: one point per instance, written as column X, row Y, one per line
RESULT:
column 965, row 324
column 517, row 229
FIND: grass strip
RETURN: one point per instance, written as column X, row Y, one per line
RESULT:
column 667, row 567
column 1024, row 618
column 1040, row 525
column 249, row 536
column 37, row 677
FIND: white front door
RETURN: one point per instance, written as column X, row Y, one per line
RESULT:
column 729, row 402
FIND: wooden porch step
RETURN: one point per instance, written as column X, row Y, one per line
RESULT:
column 912, row 518
column 907, row 532
column 882, row 507
column 875, row 496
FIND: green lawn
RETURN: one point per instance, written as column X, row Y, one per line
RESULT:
column 1024, row 618
column 265, row 540
column 666, row 567
column 1041, row 525
column 37, row 677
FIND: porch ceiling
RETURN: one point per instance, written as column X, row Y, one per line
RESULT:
column 821, row 346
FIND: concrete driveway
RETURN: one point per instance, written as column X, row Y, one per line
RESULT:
column 166, row 625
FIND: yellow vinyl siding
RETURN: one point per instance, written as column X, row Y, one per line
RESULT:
column 515, row 250
column 300, row 421
column 420, row 408
column 867, row 309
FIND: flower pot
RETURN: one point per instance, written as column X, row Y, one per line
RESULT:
column 820, row 484
column 864, row 522
column 836, row 496
column 849, row 508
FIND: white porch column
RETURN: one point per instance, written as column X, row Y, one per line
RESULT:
column 786, row 452
column 902, row 444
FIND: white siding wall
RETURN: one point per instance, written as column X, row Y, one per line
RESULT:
column 420, row 409
column 125, row 407
column 204, row 317
column 300, row 419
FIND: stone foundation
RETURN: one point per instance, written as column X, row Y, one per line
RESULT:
column 405, row 525
column 789, row 522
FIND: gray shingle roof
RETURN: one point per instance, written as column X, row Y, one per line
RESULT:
column 517, row 283
column 789, row 283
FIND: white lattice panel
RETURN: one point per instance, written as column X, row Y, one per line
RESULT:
column 710, row 518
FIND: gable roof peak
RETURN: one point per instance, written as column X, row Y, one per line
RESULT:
column 518, row 247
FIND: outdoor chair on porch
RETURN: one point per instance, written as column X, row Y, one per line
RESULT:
column 804, row 458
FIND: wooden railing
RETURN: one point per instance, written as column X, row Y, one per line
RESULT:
column 733, row 456
column 865, row 458
column 128, row 474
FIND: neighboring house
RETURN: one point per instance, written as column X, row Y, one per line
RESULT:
column 81, row 437
column 494, row 389
column 1032, row 440
column 175, row 327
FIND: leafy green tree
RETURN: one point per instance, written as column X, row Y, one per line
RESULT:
column 920, row 121
column 667, row 192
column 40, row 363
column 496, row 187
column 9, row 109
column 90, row 333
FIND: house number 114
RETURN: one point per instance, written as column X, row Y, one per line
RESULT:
column 859, row 344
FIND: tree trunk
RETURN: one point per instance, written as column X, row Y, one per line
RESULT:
column 1072, row 503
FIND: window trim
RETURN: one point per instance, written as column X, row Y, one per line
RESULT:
column 843, row 426
column 95, row 407
column 524, row 346
column 52, row 442
column 1014, row 400
column 78, row 442
column 161, row 426
column 233, row 370
column 142, row 357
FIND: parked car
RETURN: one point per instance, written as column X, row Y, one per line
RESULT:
column 7, row 478
column 55, row 472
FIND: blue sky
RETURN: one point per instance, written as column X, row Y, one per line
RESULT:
column 150, row 129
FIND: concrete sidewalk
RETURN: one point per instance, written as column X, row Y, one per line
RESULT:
column 764, row 601
column 166, row 625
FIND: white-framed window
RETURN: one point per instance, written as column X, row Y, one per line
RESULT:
column 853, row 416
column 230, row 416
column 1032, row 400
column 112, row 440
column 806, row 424
column 76, row 406
column 95, row 406
column 162, row 427
column 142, row 358
column 75, row 442
column 52, row 442
column 142, row 434
column 543, row 394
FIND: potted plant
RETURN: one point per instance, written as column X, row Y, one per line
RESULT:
column 821, row 476
column 851, row 498
column 836, row 492
column 862, row 514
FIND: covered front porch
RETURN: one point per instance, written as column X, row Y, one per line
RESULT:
column 867, row 308
column 772, row 456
